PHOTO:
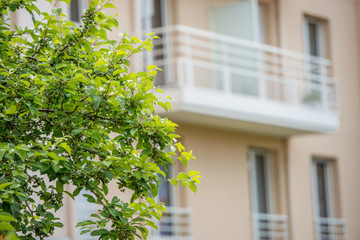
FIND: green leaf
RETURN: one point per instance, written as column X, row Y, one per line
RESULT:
column 11, row 236
column 118, row 71
column 133, row 131
column 53, row 155
column 2, row 153
column 99, row 232
column 76, row 192
column 59, row 187
column 193, row 187
column 97, row 101
column 154, row 189
column 109, row 5
column 5, row 226
column 67, row 1
column 6, row 217
column 12, row 110
column 105, row 188
column 193, row 173
column 85, row 223
column 4, row 185
column 89, row 198
column 76, row 131
column 21, row 154
column 65, row 146
column 144, row 232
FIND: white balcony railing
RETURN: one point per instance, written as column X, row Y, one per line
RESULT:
column 207, row 60
column 175, row 224
column 330, row 229
column 270, row 227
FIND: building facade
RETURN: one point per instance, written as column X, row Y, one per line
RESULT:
column 266, row 93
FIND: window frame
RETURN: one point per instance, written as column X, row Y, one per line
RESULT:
column 320, row 31
column 80, row 10
column 269, row 190
column 329, row 186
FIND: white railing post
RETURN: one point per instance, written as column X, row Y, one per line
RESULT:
column 189, row 64
column 225, row 68
column 180, row 71
column 261, row 69
column 294, row 92
column 190, row 74
column 168, row 55
column 323, row 88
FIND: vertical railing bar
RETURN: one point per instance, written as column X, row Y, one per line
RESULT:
column 226, row 67
column 188, row 56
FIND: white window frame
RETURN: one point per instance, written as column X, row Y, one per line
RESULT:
column 145, row 7
column 81, row 8
column 320, row 32
column 329, row 186
column 148, row 7
column 313, row 67
column 268, row 179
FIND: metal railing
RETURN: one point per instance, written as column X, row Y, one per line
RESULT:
column 270, row 227
column 175, row 224
column 207, row 60
column 330, row 229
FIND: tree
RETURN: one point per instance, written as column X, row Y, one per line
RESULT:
column 63, row 89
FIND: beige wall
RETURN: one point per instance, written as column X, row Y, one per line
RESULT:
column 343, row 145
column 222, row 206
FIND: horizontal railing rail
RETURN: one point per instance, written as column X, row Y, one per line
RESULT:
column 330, row 229
column 202, row 59
column 270, row 227
column 175, row 224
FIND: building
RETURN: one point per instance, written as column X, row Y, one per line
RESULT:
column 267, row 94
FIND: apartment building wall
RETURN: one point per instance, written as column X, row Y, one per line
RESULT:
column 222, row 206
column 343, row 145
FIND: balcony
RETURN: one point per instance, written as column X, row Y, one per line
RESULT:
column 270, row 226
column 175, row 224
column 330, row 229
column 226, row 82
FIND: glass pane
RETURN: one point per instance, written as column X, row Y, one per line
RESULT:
column 166, row 227
column 74, row 11
column 261, row 178
column 164, row 189
column 322, row 190
column 151, row 13
column 235, row 20
column 314, row 47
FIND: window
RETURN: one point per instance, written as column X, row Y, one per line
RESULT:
column 328, row 225
column 76, row 10
column 267, row 223
column 322, row 188
column 315, row 41
column 83, row 210
column 255, row 22
column 260, row 181
column 314, row 37
column 167, row 225
column 154, row 15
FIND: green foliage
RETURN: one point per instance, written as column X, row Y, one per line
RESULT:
column 72, row 116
